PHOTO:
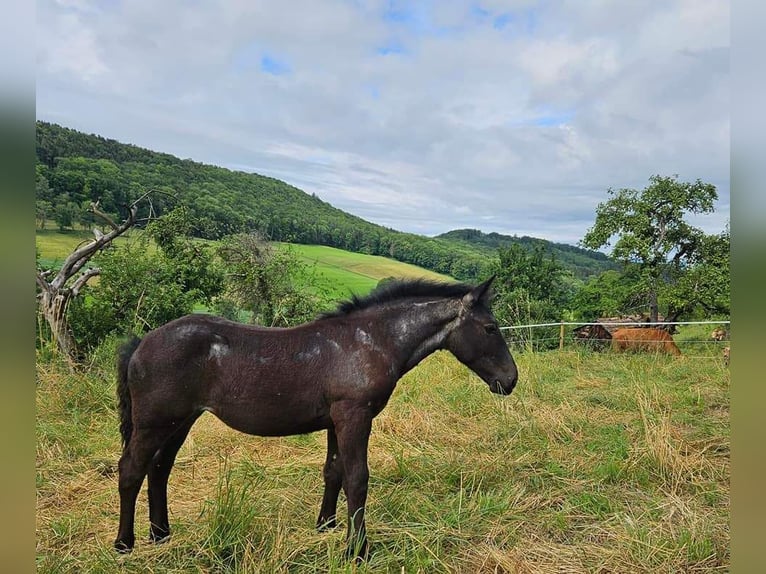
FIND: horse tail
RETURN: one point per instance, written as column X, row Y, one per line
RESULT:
column 124, row 401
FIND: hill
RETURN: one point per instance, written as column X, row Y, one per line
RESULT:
column 74, row 168
column 582, row 262
column 342, row 272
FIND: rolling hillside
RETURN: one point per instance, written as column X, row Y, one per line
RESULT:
column 338, row 272
column 74, row 168
column 582, row 262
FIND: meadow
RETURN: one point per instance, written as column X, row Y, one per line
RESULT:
column 337, row 272
column 343, row 272
column 596, row 463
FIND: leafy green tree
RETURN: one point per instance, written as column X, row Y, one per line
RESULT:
column 530, row 288
column 271, row 284
column 66, row 212
column 609, row 294
column 704, row 285
column 138, row 290
column 43, row 191
column 142, row 286
column 43, row 210
column 193, row 263
column 649, row 230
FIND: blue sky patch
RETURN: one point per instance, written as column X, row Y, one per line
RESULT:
column 501, row 21
column 274, row 66
column 391, row 48
column 553, row 119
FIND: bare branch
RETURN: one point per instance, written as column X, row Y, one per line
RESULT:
column 42, row 282
column 96, row 210
column 81, row 255
column 83, row 279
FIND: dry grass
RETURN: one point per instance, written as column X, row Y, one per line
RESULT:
column 597, row 463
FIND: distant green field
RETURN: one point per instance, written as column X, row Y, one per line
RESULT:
column 339, row 272
column 343, row 272
column 54, row 245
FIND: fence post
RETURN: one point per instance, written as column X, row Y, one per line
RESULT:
column 561, row 337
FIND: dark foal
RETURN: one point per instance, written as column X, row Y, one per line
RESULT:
column 336, row 373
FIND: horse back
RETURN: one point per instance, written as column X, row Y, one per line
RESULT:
column 250, row 377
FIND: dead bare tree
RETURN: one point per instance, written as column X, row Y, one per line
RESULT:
column 56, row 292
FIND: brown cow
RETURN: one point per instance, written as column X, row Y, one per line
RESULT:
column 656, row 340
column 719, row 334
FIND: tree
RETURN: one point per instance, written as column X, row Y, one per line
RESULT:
column 529, row 288
column 141, row 288
column 705, row 283
column 55, row 294
column 272, row 284
column 65, row 212
column 651, row 232
column 608, row 294
column 43, row 210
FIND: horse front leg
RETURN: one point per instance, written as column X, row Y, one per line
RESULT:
column 333, row 480
column 352, row 427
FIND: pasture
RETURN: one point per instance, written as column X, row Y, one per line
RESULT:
column 339, row 273
column 344, row 272
column 598, row 462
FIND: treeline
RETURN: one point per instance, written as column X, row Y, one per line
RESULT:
column 74, row 169
column 583, row 263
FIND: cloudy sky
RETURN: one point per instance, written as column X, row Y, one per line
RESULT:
column 509, row 116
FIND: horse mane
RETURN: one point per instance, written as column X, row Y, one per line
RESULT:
column 396, row 290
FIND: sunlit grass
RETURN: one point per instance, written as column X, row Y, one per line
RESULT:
column 597, row 462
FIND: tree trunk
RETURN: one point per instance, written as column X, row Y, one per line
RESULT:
column 654, row 310
column 53, row 307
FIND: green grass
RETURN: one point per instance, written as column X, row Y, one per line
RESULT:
column 342, row 273
column 339, row 273
column 597, row 463
column 54, row 246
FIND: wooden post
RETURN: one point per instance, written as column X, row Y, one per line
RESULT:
column 561, row 337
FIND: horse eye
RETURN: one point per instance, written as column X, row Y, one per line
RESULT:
column 491, row 329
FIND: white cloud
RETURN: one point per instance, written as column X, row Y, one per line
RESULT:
column 505, row 116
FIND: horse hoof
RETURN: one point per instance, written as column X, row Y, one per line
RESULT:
column 326, row 525
column 159, row 538
column 357, row 554
column 123, row 547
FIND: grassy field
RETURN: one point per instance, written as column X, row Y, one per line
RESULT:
column 596, row 463
column 344, row 272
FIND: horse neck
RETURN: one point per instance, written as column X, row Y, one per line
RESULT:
column 419, row 328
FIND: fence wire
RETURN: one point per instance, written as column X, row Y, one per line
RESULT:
column 552, row 336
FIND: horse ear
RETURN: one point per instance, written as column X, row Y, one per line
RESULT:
column 478, row 293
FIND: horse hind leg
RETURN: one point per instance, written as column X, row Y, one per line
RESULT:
column 159, row 472
column 135, row 462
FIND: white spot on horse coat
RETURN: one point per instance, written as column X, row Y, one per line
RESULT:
column 218, row 351
column 363, row 337
column 185, row 331
column 308, row 355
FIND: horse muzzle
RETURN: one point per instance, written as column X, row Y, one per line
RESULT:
column 505, row 385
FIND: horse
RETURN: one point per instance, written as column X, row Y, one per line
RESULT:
column 335, row 373
column 640, row 339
